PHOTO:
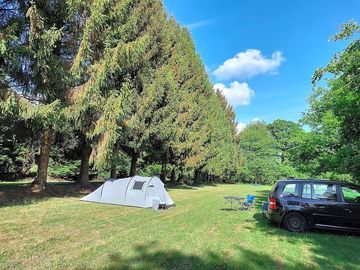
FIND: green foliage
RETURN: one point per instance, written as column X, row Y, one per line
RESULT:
column 67, row 169
column 16, row 150
column 259, row 154
column 117, row 48
column 268, row 151
column 151, row 170
column 287, row 135
column 126, row 79
column 42, row 43
column 336, row 176
column 347, row 30
column 334, row 113
column 15, row 158
column 35, row 67
column 199, row 139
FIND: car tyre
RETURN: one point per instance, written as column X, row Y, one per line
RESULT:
column 295, row 222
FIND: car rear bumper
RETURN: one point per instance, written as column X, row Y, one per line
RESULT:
column 271, row 215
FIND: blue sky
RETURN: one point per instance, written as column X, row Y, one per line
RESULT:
column 262, row 54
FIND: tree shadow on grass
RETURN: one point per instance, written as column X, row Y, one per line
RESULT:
column 260, row 196
column 330, row 249
column 22, row 193
column 194, row 186
column 232, row 209
column 265, row 226
column 150, row 257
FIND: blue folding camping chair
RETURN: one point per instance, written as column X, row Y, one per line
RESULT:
column 249, row 203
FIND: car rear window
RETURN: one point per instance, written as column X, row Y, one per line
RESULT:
column 323, row 191
column 351, row 194
column 274, row 188
column 291, row 190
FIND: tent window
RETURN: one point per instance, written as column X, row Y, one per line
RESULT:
column 138, row 185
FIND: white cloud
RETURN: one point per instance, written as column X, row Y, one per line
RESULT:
column 237, row 94
column 240, row 127
column 198, row 24
column 248, row 64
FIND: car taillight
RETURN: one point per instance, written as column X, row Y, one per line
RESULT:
column 272, row 203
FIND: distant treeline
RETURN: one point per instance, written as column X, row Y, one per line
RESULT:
column 116, row 88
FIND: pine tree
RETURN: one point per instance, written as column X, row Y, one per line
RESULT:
column 151, row 124
column 38, row 88
column 125, row 78
column 119, row 47
column 204, row 133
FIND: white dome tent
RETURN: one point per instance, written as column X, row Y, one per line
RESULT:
column 145, row 192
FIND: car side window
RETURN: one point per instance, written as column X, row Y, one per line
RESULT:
column 291, row 190
column 306, row 193
column 351, row 194
column 324, row 192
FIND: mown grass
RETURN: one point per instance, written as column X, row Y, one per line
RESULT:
column 63, row 233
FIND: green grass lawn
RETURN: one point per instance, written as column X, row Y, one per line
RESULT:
column 60, row 232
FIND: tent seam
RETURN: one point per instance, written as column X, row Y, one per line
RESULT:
column 126, row 191
column 147, row 187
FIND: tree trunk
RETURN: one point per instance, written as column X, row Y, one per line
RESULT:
column 43, row 163
column 197, row 176
column 181, row 174
column 173, row 175
column 163, row 168
column 113, row 172
column 84, row 167
column 134, row 160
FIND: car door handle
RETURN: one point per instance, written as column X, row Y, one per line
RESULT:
column 348, row 210
column 305, row 205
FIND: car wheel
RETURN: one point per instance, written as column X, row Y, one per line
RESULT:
column 295, row 222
